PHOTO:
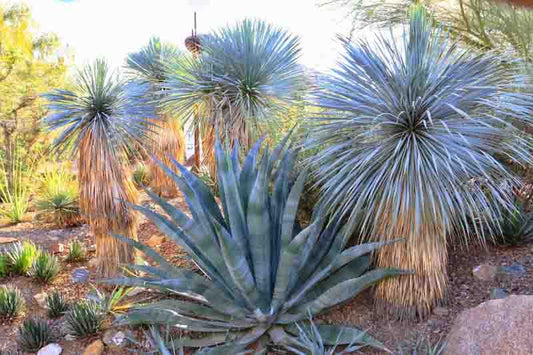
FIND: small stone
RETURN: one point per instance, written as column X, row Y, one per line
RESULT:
column 113, row 338
column 51, row 349
column 485, row 272
column 80, row 275
column 91, row 247
column 70, row 337
column 95, row 348
column 441, row 311
column 155, row 241
column 58, row 248
column 92, row 263
column 41, row 299
column 498, row 293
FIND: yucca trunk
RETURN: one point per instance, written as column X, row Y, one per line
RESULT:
column 169, row 142
column 424, row 252
column 234, row 131
column 105, row 190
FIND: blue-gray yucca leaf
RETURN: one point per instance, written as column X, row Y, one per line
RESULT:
column 245, row 71
column 412, row 130
column 104, row 105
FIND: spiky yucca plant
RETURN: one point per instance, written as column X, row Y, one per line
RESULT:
column 58, row 197
column 245, row 72
column 56, row 305
column 34, row 333
column 148, row 64
column 84, row 318
column 102, row 120
column 76, row 251
column 45, row 267
column 404, row 148
column 263, row 272
column 21, row 256
column 11, row 302
column 308, row 340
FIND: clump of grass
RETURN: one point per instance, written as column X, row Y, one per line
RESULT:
column 21, row 257
column 76, row 251
column 11, row 302
column 4, row 265
column 85, row 318
column 58, row 198
column 45, row 267
column 15, row 193
column 56, row 305
column 141, row 175
column 34, row 334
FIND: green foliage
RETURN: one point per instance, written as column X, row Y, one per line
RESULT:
column 263, row 272
column 21, row 257
column 14, row 188
column 421, row 346
column 308, row 340
column 11, row 302
column 516, row 225
column 113, row 303
column 45, row 267
column 84, row 318
column 76, row 251
column 30, row 64
column 56, row 305
column 141, row 175
column 58, row 197
column 163, row 344
column 4, row 265
column 34, row 333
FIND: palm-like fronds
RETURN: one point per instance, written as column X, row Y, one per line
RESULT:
column 243, row 74
column 103, row 119
column 263, row 272
column 406, row 148
column 104, row 107
column 148, row 65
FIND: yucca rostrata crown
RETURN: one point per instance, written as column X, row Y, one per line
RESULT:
column 261, row 272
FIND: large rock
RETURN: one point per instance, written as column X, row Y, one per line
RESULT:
column 503, row 326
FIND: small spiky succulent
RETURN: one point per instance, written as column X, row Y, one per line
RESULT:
column 56, row 305
column 141, row 175
column 11, row 302
column 76, row 251
column 34, row 333
column 21, row 257
column 45, row 267
column 85, row 318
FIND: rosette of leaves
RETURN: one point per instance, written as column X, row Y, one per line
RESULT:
column 263, row 272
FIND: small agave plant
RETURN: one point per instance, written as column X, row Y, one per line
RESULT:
column 262, row 273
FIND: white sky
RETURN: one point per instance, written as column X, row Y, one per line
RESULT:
column 113, row 28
